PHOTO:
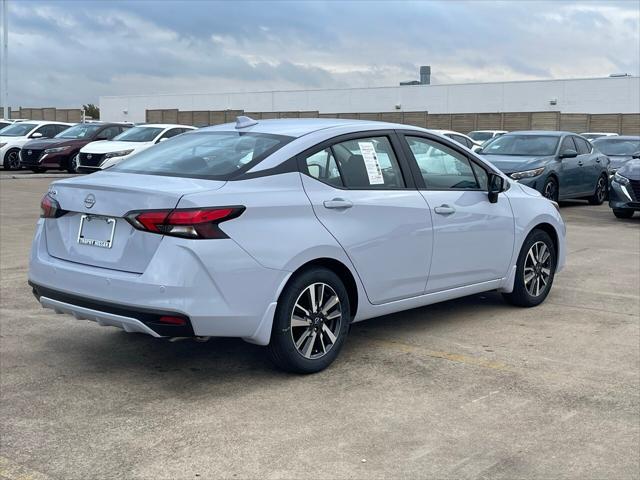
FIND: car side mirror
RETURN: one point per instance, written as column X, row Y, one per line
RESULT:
column 162, row 140
column 479, row 150
column 636, row 155
column 496, row 185
column 36, row 135
column 569, row 153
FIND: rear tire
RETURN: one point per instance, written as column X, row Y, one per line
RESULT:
column 11, row 160
column 601, row 191
column 305, row 339
column 38, row 170
column 623, row 213
column 535, row 270
column 550, row 189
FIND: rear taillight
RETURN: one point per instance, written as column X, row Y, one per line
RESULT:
column 50, row 208
column 187, row 223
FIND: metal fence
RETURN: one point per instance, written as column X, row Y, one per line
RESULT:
column 623, row 123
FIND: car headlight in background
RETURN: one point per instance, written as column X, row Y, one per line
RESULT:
column 620, row 179
column 527, row 173
column 121, row 153
column 56, row 150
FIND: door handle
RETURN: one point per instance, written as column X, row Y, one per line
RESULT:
column 444, row 210
column 580, row 163
column 337, row 203
column 598, row 159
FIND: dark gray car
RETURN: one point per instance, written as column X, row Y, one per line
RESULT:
column 619, row 149
column 560, row 165
column 624, row 197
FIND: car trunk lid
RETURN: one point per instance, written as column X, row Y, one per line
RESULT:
column 98, row 203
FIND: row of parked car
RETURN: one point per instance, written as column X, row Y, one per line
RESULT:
column 83, row 147
column 560, row 165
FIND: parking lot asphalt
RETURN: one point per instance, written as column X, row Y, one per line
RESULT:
column 471, row 388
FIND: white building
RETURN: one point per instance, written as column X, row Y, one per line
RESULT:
column 588, row 95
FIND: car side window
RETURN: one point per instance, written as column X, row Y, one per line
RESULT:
column 46, row 131
column 584, row 146
column 171, row 133
column 322, row 166
column 362, row 163
column 61, row 128
column 481, row 176
column 441, row 167
column 567, row 144
column 109, row 132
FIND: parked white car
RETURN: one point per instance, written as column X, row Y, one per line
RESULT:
column 461, row 138
column 483, row 136
column 106, row 153
column 593, row 135
column 284, row 232
column 14, row 136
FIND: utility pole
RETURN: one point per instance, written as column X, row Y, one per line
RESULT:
column 4, row 61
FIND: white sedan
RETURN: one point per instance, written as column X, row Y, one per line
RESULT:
column 284, row 232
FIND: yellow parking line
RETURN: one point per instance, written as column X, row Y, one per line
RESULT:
column 452, row 357
column 14, row 471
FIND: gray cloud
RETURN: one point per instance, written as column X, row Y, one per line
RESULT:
column 64, row 53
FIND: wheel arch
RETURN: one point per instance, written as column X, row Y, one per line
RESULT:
column 549, row 230
column 340, row 269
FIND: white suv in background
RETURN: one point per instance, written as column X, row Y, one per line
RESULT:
column 461, row 138
column 483, row 136
column 13, row 137
column 106, row 153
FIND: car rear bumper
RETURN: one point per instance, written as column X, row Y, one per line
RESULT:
column 216, row 285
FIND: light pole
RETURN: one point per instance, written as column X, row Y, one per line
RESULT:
column 4, row 61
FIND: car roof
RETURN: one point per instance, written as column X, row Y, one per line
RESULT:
column 47, row 122
column 163, row 125
column 297, row 127
column 613, row 138
column 551, row 133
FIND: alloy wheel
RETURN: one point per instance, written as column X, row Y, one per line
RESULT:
column 315, row 320
column 14, row 160
column 601, row 189
column 550, row 190
column 537, row 269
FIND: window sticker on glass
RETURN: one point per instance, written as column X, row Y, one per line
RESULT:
column 370, row 157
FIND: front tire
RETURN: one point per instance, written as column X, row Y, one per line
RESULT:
column 550, row 189
column 72, row 166
column 623, row 212
column 11, row 160
column 601, row 191
column 535, row 270
column 38, row 170
column 311, row 322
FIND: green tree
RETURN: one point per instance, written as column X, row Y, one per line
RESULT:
column 92, row 111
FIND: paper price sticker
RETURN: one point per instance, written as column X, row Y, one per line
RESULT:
column 370, row 157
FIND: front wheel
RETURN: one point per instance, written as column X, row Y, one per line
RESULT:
column 38, row 170
column 73, row 164
column 535, row 270
column 600, row 193
column 311, row 322
column 623, row 212
column 11, row 160
column 550, row 189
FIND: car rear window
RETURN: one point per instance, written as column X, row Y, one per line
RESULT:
column 214, row 155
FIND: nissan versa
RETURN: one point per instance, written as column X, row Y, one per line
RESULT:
column 284, row 232
column 560, row 165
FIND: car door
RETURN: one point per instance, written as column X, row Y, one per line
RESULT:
column 571, row 180
column 591, row 166
column 371, row 207
column 473, row 239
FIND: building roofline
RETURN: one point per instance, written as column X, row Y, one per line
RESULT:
column 370, row 88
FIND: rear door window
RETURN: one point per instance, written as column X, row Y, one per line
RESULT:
column 567, row 144
column 362, row 163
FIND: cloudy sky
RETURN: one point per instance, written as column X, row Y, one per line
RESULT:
column 65, row 53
